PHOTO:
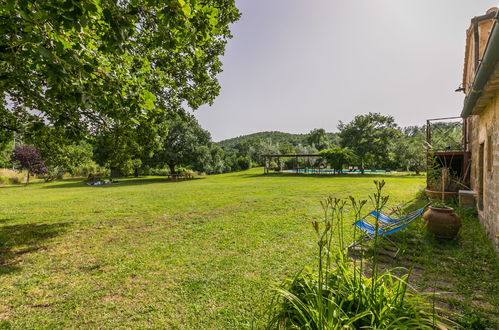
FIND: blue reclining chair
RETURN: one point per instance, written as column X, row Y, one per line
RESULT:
column 387, row 220
column 387, row 226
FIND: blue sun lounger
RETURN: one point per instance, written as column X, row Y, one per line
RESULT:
column 386, row 227
column 387, row 220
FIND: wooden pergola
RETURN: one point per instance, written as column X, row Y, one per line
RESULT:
column 268, row 159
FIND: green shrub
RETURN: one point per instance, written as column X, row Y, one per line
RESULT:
column 91, row 168
column 158, row 171
column 244, row 163
column 53, row 173
column 182, row 170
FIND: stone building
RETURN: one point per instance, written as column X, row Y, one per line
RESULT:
column 481, row 115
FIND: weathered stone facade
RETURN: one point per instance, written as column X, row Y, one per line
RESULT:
column 482, row 119
column 484, row 129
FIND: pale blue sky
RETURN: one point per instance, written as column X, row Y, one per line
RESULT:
column 295, row 65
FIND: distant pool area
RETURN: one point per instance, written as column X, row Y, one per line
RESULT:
column 327, row 171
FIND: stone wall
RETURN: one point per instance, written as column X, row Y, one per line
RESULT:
column 484, row 129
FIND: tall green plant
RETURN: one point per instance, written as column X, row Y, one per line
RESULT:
column 378, row 201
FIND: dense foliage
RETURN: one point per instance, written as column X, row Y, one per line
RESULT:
column 5, row 150
column 274, row 136
column 338, row 157
column 100, row 68
column 369, row 136
column 183, row 144
column 178, row 141
column 368, row 141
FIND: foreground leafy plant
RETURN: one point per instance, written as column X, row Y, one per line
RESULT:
column 346, row 300
column 339, row 294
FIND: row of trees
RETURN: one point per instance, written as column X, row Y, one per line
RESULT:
column 181, row 144
column 370, row 140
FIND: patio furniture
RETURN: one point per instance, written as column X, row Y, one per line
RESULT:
column 370, row 231
column 386, row 225
column 387, row 220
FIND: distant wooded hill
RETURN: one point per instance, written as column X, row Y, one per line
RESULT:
column 274, row 137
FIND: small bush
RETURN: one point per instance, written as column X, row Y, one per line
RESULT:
column 53, row 173
column 91, row 168
column 244, row 163
column 158, row 171
column 182, row 170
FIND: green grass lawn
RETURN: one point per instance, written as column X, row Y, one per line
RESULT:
column 203, row 253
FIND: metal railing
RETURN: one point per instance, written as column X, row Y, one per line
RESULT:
column 446, row 134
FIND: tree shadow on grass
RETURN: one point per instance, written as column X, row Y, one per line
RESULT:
column 18, row 240
column 12, row 186
column 79, row 183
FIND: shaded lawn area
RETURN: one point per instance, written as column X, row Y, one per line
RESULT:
column 202, row 253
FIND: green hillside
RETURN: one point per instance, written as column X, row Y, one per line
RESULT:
column 275, row 137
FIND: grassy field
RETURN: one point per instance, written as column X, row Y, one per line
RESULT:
column 203, row 253
column 8, row 176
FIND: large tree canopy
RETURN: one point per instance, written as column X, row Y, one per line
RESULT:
column 318, row 138
column 90, row 65
column 369, row 136
column 185, row 143
column 338, row 157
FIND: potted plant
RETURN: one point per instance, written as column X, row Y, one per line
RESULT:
column 442, row 221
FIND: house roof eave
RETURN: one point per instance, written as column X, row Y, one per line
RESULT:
column 484, row 71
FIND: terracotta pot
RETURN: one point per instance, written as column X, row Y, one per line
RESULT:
column 442, row 222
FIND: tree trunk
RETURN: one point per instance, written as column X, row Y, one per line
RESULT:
column 27, row 180
column 362, row 166
column 172, row 168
